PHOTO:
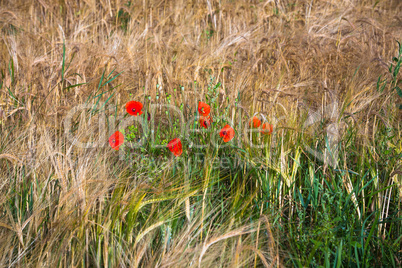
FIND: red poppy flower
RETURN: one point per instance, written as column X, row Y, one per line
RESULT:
column 116, row 140
column 227, row 133
column 203, row 108
column 175, row 147
column 267, row 128
column 205, row 121
column 255, row 122
column 134, row 108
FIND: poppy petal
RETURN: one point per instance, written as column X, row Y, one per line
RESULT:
column 175, row 147
column 134, row 108
column 116, row 139
column 203, row 108
column 267, row 128
column 205, row 122
column 227, row 133
column 255, row 122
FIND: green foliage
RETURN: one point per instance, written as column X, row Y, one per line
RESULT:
column 332, row 217
column 123, row 18
column 395, row 81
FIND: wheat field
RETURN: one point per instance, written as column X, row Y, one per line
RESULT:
column 304, row 197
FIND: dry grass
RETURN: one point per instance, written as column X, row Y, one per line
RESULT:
column 289, row 54
column 309, row 49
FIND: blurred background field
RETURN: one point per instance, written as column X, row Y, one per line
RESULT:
column 275, row 206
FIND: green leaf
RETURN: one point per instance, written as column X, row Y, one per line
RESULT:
column 100, row 81
column 338, row 260
column 11, row 94
column 11, row 70
column 378, row 83
column 356, row 244
column 373, row 228
column 396, row 70
column 357, row 256
column 312, row 252
column 107, row 100
column 399, row 90
column 111, row 79
column 76, row 85
column 64, row 60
